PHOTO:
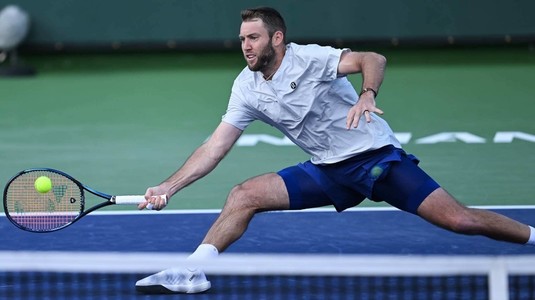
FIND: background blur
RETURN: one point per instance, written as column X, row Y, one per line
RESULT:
column 126, row 90
column 99, row 24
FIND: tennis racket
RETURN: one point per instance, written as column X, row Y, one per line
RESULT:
column 52, row 210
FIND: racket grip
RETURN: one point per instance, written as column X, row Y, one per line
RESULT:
column 133, row 199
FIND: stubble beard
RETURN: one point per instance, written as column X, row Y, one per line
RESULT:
column 265, row 59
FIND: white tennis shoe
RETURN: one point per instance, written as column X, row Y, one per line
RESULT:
column 175, row 280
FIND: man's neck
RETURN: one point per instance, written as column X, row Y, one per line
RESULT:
column 269, row 72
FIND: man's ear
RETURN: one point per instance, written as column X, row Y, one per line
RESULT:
column 277, row 38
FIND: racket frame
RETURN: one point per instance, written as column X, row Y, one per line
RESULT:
column 110, row 199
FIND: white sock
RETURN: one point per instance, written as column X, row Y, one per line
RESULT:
column 531, row 240
column 204, row 252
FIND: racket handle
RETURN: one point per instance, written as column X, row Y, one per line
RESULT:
column 132, row 199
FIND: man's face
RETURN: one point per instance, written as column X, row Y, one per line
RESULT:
column 256, row 45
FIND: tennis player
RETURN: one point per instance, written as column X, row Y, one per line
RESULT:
column 303, row 91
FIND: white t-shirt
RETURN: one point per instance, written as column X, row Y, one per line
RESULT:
column 308, row 102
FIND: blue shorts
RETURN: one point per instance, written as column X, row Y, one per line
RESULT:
column 387, row 174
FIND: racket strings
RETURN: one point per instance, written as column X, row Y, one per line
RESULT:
column 43, row 211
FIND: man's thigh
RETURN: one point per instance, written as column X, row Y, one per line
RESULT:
column 264, row 192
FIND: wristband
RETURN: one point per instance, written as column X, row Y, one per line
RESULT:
column 365, row 90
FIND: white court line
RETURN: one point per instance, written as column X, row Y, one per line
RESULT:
column 311, row 210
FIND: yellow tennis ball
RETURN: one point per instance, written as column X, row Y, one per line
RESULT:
column 377, row 171
column 43, row 184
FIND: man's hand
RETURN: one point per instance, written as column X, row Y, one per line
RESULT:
column 156, row 199
column 365, row 106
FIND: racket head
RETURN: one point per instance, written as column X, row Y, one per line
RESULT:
column 33, row 211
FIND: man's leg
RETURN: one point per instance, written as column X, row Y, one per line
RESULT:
column 262, row 193
column 441, row 209
column 407, row 187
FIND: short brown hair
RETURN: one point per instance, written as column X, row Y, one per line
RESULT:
column 270, row 16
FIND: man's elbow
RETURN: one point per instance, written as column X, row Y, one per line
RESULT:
column 380, row 59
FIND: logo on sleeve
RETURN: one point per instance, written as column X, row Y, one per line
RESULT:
column 293, row 85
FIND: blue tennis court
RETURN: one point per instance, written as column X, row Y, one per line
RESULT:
column 325, row 232
column 359, row 231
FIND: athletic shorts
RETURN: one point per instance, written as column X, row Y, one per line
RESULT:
column 387, row 174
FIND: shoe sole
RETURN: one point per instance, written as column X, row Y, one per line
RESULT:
column 165, row 289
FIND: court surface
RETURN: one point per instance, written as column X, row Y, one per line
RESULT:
column 357, row 231
column 121, row 123
column 325, row 232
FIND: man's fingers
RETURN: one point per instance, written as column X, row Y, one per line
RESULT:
column 154, row 203
column 367, row 115
column 356, row 120
column 353, row 118
column 142, row 205
column 157, row 202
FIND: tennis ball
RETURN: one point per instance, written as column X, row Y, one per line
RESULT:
column 376, row 171
column 43, row 184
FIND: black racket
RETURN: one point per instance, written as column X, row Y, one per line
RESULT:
column 53, row 209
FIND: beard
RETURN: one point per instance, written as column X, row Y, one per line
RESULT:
column 265, row 59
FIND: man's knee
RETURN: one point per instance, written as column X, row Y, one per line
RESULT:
column 445, row 211
column 245, row 196
column 462, row 221
column 265, row 192
column 240, row 196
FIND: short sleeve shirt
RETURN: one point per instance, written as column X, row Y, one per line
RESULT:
column 308, row 102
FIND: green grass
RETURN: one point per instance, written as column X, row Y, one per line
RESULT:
column 123, row 122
